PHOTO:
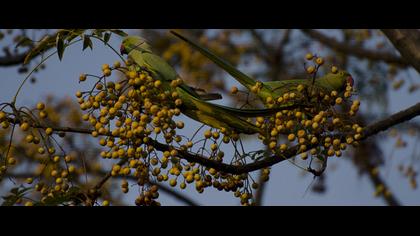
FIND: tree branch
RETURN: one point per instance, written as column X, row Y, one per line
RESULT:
column 369, row 130
column 355, row 50
column 13, row 60
column 162, row 187
column 407, row 42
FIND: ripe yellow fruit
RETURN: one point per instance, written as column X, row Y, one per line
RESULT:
column 157, row 83
column 29, row 138
column 40, row 106
column 310, row 69
column 180, row 124
column 300, row 87
column 107, row 72
column 301, row 133
column 338, row 100
column 24, row 126
column 178, row 102
column 272, row 145
column 207, row 134
column 82, row 77
column 56, row 158
column 43, row 114
column 11, row 161
column 309, row 56
column 234, row 90
column 5, row 124
column 290, row 124
column 291, row 137
column 174, row 153
column 29, row 180
column 319, row 61
column 2, row 115
column 48, row 131
column 172, row 182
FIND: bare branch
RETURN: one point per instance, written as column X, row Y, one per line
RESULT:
column 407, row 42
column 355, row 50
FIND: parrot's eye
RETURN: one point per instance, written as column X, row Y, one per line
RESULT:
column 350, row 80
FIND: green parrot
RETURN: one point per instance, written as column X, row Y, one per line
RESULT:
column 274, row 89
column 193, row 104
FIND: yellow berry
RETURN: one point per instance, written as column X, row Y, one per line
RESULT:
column 319, row 61
column 207, row 134
column 24, row 126
column 310, row 69
column 272, row 145
column 291, row 137
column 283, row 147
column 107, row 72
column 309, row 56
column 301, row 133
column 11, row 161
column 172, row 182
column 157, row 83
column 49, row 131
column 234, row 90
column 40, row 106
column 338, row 100
column 82, row 77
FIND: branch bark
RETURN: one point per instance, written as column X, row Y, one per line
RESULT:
column 407, row 42
column 355, row 50
column 182, row 198
column 13, row 60
column 369, row 130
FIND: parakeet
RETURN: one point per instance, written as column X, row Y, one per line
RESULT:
column 193, row 105
column 274, row 89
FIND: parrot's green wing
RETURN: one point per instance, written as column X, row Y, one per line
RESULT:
column 245, row 80
column 160, row 67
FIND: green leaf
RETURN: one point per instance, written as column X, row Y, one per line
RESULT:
column 87, row 42
column 46, row 43
column 119, row 32
column 60, row 46
column 98, row 32
column 25, row 41
column 17, row 193
column 74, row 34
column 107, row 36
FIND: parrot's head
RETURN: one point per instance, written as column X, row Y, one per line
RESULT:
column 339, row 80
column 138, row 43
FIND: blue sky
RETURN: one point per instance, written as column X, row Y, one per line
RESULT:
column 287, row 183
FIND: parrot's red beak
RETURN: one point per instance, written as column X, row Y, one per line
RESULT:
column 122, row 50
column 350, row 80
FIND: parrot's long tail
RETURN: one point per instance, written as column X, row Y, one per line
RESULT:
column 245, row 80
column 219, row 116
